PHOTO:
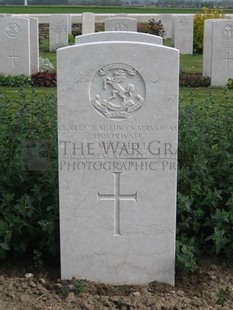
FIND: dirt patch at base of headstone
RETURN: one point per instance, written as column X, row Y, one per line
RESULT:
column 209, row 287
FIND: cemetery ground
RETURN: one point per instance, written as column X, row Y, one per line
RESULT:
column 208, row 286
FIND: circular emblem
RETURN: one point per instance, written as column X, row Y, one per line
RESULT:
column 121, row 27
column 228, row 32
column 12, row 30
column 117, row 91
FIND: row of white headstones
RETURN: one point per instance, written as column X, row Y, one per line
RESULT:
column 20, row 48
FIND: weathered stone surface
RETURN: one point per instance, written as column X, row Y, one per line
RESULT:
column 58, row 31
column 117, row 130
column 222, row 52
column 182, row 33
column 119, row 36
column 121, row 24
column 15, row 46
column 88, row 22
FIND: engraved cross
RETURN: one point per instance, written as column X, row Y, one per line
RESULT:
column 117, row 197
column 13, row 57
column 227, row 60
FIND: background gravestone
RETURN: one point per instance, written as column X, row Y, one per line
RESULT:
column 120, row 24
column 166, row 20
column 88, row 23
column 58, row 31
column 34, row 44
column 119, row 36
column 15, row 46
column 222, row 52
column 182, row 33
column 117, row 132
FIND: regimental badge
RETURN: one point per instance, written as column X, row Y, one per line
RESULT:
column 12, row 30
column 227, row 32
column 117, row 91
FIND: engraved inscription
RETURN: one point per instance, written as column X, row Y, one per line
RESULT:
column 117, row 197
column 228, row 32
column 121, row 27
column 12, row 30
column 228, row 60
column 13, row 58
column 117, row 91
column 59, row 28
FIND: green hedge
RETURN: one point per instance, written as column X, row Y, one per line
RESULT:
column 29, row 223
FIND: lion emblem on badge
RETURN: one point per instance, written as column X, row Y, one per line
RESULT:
column 117, row 91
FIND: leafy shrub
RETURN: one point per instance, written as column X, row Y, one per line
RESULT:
column 29, row 179
column 152, row 27
column 193, row 80
column 205, row 179
column 199, row 19
column 14, row 81
column 44, row 79
column 28, row 187
column 230, row 84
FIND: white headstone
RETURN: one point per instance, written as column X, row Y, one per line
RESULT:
column 34, row 45
column 222, row 52
column 117, row 132
column 58, row 31
column 183, row 33
column 88, row 23
column 119, row 36
column 121, row 24
column 166, row 20
column 15, row 46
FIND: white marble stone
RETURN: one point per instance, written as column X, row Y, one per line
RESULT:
column 117, row 133
column 222, row 52
column 88, row 22
column 119, row 36
column 182, row 33
column 15, row 46
column 122, row 23
column 166, row 20
column 58, row 31
column 34, row 44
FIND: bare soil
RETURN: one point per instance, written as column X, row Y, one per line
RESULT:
column 209, row 287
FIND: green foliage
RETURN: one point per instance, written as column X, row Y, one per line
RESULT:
column 193, row 80
column 185, row 254
column 205, row 177
column 28, row 186
column 44, row 79
column 76, row 286
column 222, row 295
column 71, row 39
column 199, row 19
column 230, row 84
column 29, row 178
column 152, row 27
column 14, row 81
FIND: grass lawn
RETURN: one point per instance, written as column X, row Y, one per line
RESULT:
column 75, row 9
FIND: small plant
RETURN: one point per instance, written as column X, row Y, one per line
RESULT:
column 44, row 79
column 222, row 295
column 152, row 27
column 75, row 286
column 45, row 65
column 71, row 39
column 193, row 80
column 15, row 81
column 230, row 84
